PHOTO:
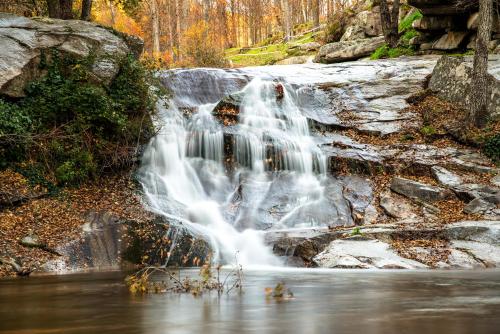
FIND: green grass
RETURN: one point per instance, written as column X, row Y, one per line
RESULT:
column 268, row 55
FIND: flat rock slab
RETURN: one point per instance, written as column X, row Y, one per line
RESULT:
column 365, row 95
column 418, row 190
column 362, row 254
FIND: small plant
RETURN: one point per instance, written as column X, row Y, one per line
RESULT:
column 491, row 148
column 209, row 279
column 428, row 131
column 356, row 231
column 280, row 292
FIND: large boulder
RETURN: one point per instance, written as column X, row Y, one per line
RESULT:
column 24, row 43
column 452, row 76
column 348, row 50
column 450, row 41
column 369, row 20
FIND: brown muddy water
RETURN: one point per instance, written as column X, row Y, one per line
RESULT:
column 343, row 301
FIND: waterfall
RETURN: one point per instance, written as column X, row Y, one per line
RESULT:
column 278, row 181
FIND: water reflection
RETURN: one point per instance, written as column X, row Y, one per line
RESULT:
column 326, row 302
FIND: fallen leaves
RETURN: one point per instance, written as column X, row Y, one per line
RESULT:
column 58, row 219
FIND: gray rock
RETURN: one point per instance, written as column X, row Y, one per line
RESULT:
column 348, row 50
column 369, row 20
column 32, row 241
column 353, row 33
column 312, row 46
column 460, row 259
column 450, row 41
column 445, row 177
column 478, row 206
column 433, row 23
column 452, row 76
column 295, row 60
column 420, row 191
column 496, row 180
column 485, row 254
column 363, row 255
column 469, row 191
column 395, row 207
column 24, row 42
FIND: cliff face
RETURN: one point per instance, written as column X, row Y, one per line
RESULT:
column 25, row 43
column 449, row 25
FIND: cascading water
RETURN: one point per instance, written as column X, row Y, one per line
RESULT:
column 278, row 181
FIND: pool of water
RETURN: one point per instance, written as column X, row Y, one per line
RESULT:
column 325, row 302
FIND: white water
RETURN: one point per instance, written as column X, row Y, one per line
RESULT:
column 184, row 176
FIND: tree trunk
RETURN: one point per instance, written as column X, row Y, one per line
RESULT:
column 155, row 31
column 112, row 12
column 286, row 19
column 390, row 22
column 66, row 9
column 480, row 90
column 315, row 13
column 54, row 9
column 86, row 9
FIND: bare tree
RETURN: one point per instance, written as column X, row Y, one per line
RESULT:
column 286, row 19
column 480, row 90
column 315, row 13
column 390, row 22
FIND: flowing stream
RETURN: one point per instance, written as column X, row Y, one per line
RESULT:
column 186, row 180
column 229, row 181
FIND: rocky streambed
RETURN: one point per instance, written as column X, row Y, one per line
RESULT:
column 392, row 194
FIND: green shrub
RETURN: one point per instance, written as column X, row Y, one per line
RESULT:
column 386, row 52
column 70, row 127
column 491, row 148
column 77, row 169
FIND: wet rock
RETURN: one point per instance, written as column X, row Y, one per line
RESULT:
column 107, row 243
column 359, row 193
column 445, row 177
column 348, row 50
column 419, row 191
column 452, row 76
column 363, row 255
column 25, row 42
